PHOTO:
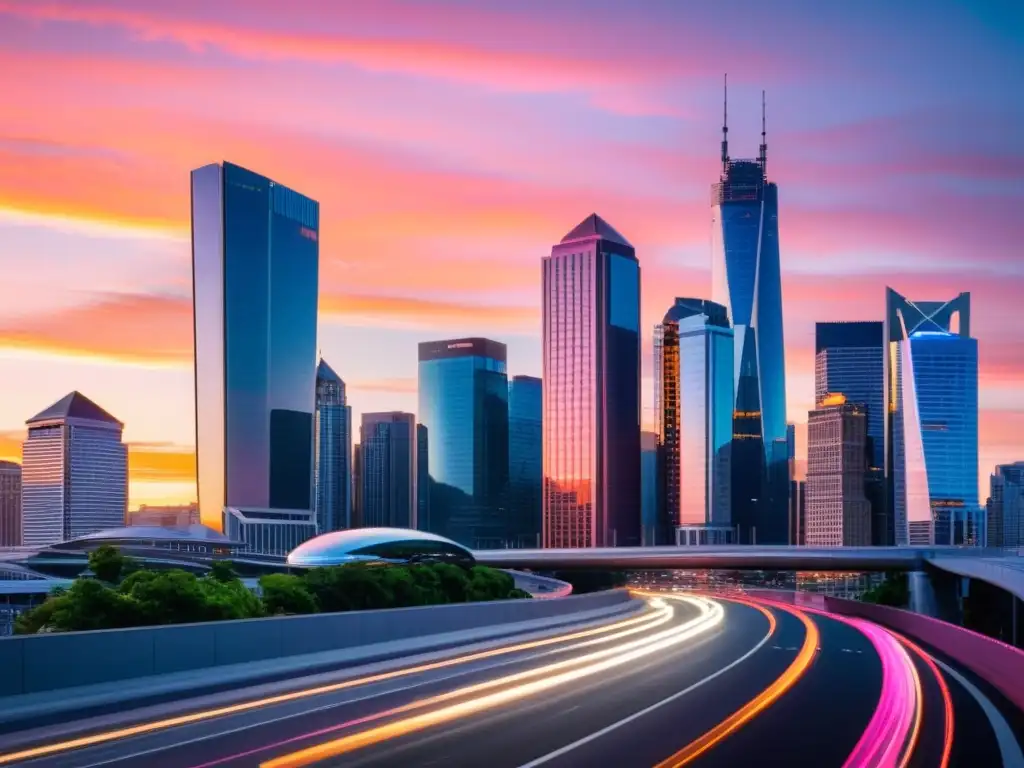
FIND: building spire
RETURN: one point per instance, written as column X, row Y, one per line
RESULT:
column 764, row 141
column 725, row 126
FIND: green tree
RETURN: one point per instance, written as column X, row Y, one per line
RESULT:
column 284, row 593
column 108, row 563
column 894, row 591
column 88, row 605
column 222, row 570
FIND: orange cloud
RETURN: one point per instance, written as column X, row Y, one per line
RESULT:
column 157, row 330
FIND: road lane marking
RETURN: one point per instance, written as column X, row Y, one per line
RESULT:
column 947, row 699
column 762, row 701
column 710, row 617
column 674, row 697
column 194, row 717
column 1009, row 748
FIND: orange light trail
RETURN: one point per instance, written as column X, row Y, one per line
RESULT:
column 947, row 698
column 758, row 704
column 647, row 621
column 711, row 616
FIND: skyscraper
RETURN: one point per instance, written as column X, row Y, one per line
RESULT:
column 463, row 403
column 693, row 407
column 850, row 359
column 526, row 468
column 652, row 528
column 389, row 477
column 357, row 486
column 1006, row 506
column 931, row 378
column 837, row 511
column 422, row 478
column 746, row 279
column 333, row 461
column 10, row 504
column 255, row 257
column 591, row 384
column 74, row 472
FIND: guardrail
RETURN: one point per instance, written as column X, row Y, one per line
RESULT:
column 999, row 664
column 33, row 663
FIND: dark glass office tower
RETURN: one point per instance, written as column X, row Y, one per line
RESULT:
column 591, row 420
column 693, row 411
column 525, row 441
column 931, row 375
column 422, row 478
column 255, row 260
column 333, row 460
column 389, row 447
column 850, row 360
column 463, row 403
column 746, row 279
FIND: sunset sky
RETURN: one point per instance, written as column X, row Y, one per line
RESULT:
column 451, row 143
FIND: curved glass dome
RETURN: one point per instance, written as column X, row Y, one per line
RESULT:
column 394, row 545
column 146, row 533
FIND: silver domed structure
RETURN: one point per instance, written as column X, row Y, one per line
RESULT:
column 391, row 545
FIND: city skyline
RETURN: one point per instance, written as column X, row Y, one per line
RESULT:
column 101, row 214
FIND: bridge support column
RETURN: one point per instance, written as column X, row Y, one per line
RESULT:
column 937, row 594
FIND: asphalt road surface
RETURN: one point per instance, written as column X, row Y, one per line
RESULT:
column 692, row 681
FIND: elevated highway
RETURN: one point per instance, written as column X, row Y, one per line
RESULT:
column 1002, row 570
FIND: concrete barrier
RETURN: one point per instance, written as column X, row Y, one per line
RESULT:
column 32, row 663
column 999, row 664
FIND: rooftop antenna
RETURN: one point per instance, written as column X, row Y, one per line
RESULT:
column 764, row 142
column 725, row 126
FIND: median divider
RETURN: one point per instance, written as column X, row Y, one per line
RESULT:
column 360, row 638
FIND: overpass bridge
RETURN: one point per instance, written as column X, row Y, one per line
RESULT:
column 997, row 567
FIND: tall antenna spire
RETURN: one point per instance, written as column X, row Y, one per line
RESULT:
column 764, row 141
column 725, row 126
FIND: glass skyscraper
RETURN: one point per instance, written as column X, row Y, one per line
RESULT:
column 591, row 420
column 333, row 460
column 74, row 472
column 850, row 360
column 525, row 441
column 693, row 407
column 650, row 490
column 10, row 504
column 389, row 476
column 255, row 258
column 931, row 375
column 746, row 279
column 1005, row 507
column 463, row 403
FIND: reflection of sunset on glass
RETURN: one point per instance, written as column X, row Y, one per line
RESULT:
column 450, row 145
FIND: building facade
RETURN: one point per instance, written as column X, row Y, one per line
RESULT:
column 591, row 384
column 746, row 280
column 268, row 532
column 255, row 259
column 74, row 472
column 463, row 403
column 1005, row 508
column 357, row 486
column 850, row 359
column 10, row 504
column 525, row 464
column 389, row 475
column 798, row 512
column 693, row 405
column 333, row 457
column 651, row 488
column 837, row 511
column 931, row 376
column 422, row 478
column 176, row 516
